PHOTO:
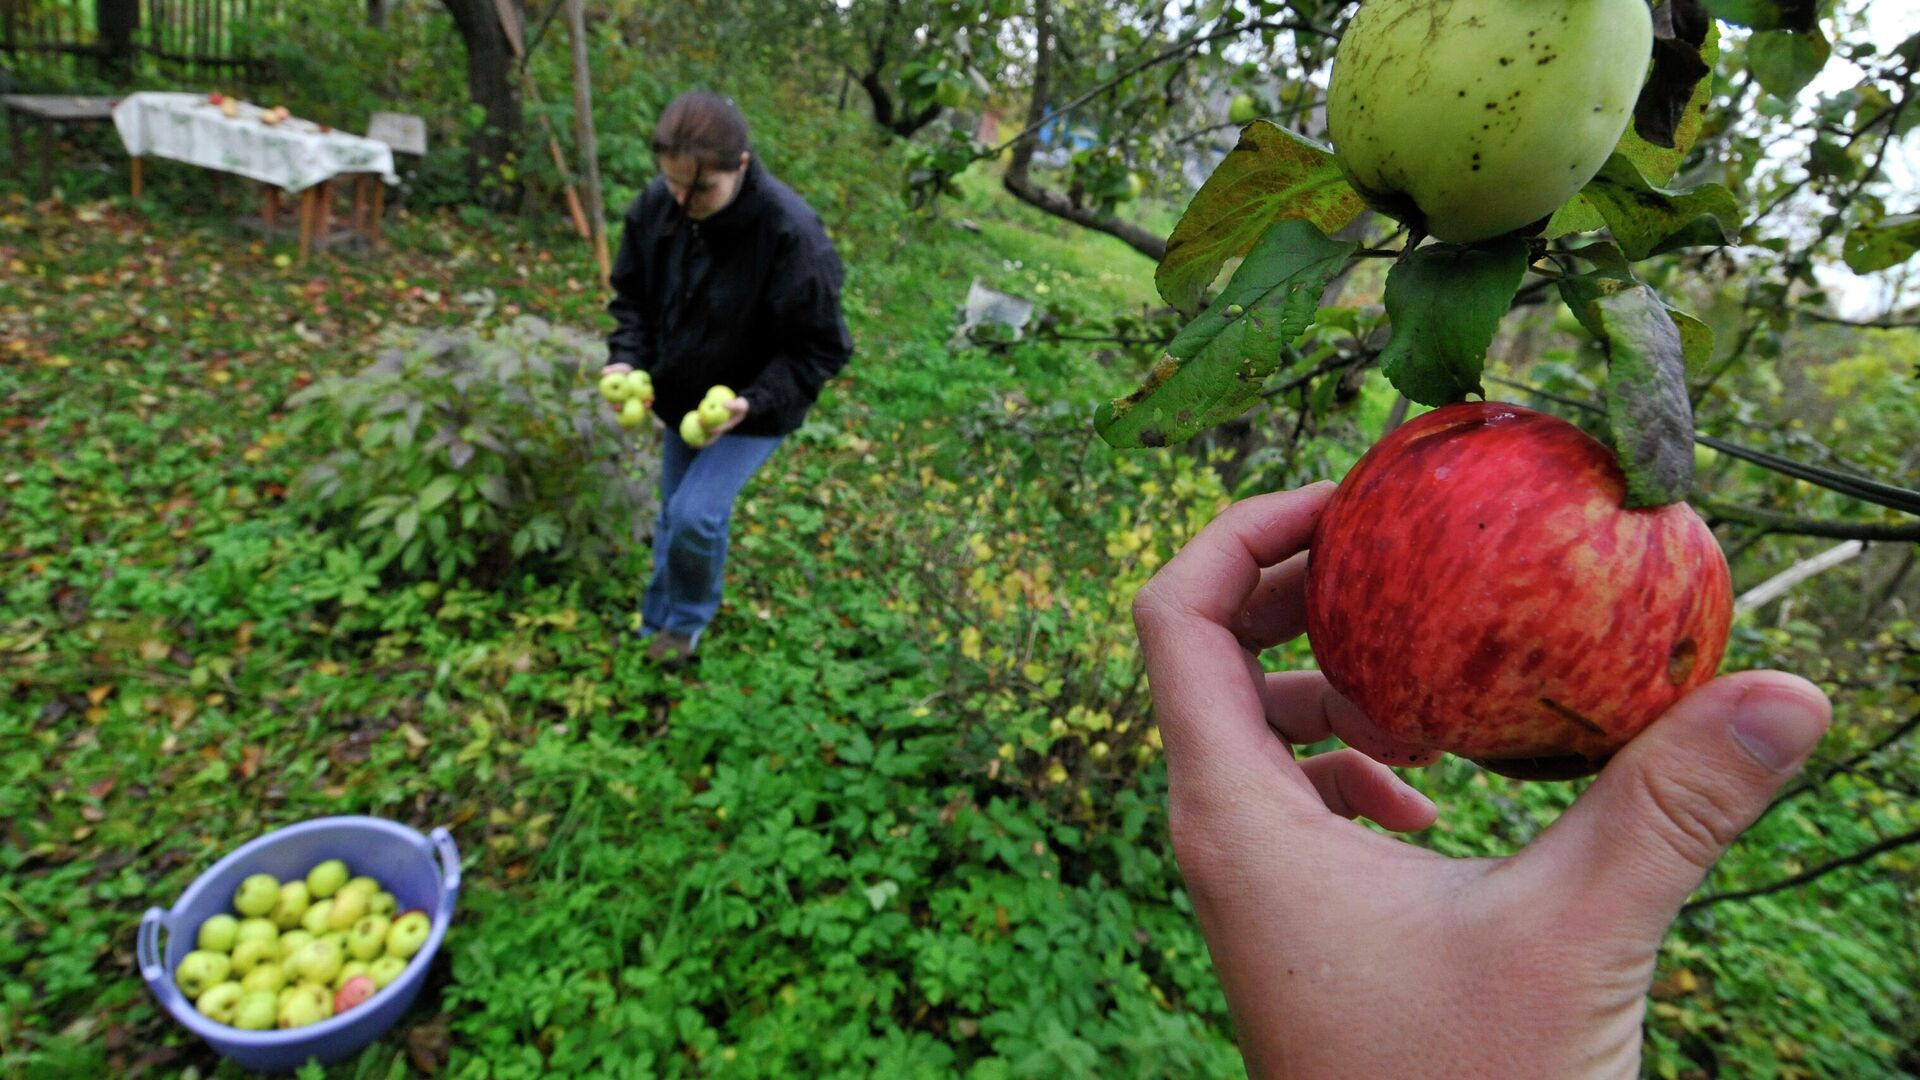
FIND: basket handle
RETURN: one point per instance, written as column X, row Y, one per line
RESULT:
column 449, row 870
column 152, row 959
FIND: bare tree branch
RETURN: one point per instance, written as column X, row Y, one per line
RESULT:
column 1867, row 324
column 1890, row 844
column 1776, row 522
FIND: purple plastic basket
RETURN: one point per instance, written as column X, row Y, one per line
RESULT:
column 421, row 872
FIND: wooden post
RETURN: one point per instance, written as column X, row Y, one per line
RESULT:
column 309, row 209
column 138, row 162
column 270, row 214
column 379, row 207
column 589, row 149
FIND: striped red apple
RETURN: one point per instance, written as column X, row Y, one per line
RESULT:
column 1476, row 586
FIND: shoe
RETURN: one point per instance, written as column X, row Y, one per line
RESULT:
column 669, row 649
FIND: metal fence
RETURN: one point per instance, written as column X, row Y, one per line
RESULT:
column 190, row 33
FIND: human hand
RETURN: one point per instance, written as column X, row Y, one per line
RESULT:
column 739, row 408
column 1347, row 953
column 616, row 369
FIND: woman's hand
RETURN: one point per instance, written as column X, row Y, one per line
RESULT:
column 1346, row 953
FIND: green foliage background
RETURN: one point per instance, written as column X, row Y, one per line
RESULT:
column 906, row 816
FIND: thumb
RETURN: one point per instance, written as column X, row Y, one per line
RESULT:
column 1641, row 838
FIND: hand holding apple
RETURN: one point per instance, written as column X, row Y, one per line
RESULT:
column 1543, row 957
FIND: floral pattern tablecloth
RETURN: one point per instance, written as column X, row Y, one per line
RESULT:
column 294, row 154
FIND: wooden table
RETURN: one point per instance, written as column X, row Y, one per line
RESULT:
column 50, row 110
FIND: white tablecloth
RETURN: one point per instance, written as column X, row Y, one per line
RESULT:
column 294, row 154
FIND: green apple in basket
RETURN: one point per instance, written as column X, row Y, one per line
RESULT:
column 408, row 933
column 200, row 971
column 368, row 938
column 257, row 1011
column 253, row 953
column 257, row 895
column 217, row 934
column 292, row 904
column 326, row 878
column 219, row 1002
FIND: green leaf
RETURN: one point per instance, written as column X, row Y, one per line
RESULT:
column 1656, row 161
column 1576, row 215
column 1887, row 243
column 1647, row 404
column 1272, row 175
column 1647, row 220
column 437, row 491
column 1784, row 63
column 1213, row 371
column 1445, row 303
column 1766, row 14
column 493, row 489
column 1696, row 343
column 405, row 523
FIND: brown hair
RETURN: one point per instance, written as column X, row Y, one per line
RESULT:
column 704, row 126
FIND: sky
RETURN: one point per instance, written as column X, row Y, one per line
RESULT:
column 1890, row 22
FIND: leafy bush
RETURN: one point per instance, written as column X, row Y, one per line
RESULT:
column 457, row 453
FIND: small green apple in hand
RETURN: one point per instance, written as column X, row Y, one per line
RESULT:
column 633, row 413
column 217, row 933
column 613, row 386
column 326, row 878
column 257, row 895
column 408, row 933
column 692, row 432
column 713, row 413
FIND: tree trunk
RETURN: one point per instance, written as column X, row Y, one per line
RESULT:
column 1022, row 186
column 584, row 135
column 377, row 14
column 118, row 21
column 490, row 85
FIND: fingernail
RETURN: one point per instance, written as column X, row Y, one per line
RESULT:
column 1776, row 728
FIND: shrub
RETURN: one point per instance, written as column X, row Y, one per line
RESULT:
column 458, row 453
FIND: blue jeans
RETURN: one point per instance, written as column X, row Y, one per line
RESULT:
column 697, row 490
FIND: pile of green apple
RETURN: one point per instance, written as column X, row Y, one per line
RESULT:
column 296, row 952
column 698, row 426
column 630, row 393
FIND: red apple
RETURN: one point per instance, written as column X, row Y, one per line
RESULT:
column 353, row 992
column 1475, row 586
column 216, row 98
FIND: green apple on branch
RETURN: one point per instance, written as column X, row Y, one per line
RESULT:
column 1468, row 119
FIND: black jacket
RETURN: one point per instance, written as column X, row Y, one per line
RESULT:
column 748, row 298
